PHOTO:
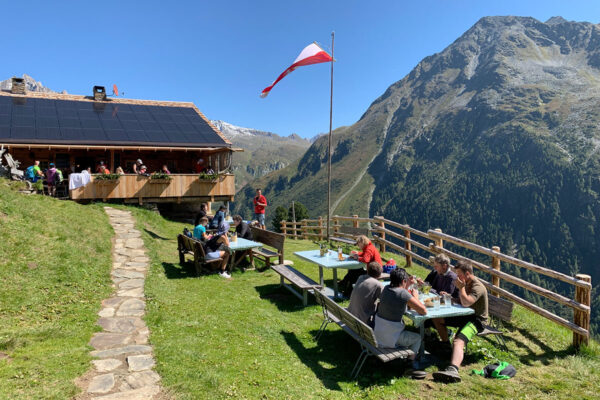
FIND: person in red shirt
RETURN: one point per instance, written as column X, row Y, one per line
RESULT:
column 260, row 203
column 367, row 254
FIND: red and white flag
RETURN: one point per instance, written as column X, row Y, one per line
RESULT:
column 312, row 54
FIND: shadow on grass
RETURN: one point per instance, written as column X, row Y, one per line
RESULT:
column 155, row 236
column 177, row 271
column 281, row 297
column 548, row 354
column 334, row 356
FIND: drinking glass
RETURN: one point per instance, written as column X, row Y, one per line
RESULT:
column 436, row 302
column 447, row 300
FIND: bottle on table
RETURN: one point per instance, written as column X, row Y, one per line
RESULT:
column 340, row 254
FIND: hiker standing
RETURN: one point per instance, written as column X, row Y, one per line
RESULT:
column 260, row 203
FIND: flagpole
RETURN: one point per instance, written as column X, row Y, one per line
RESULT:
column 329, row 148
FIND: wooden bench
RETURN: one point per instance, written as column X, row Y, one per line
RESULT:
column 359, row 331
column 499, row 310
column 188, row 245
column 347, row 234
column 273, row 240
column 297, row 279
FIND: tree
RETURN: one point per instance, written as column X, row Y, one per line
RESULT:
column 300, row 212
column 280, row 215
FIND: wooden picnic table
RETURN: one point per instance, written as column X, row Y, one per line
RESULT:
column 330, row 261
column 244, row 245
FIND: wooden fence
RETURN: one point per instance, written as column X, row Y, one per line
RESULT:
column 432, row 242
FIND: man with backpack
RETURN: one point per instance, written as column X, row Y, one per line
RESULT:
column 34, row 173
column 51, row 176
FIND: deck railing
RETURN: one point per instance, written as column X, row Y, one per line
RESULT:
column 417, row 245
column 140, row 189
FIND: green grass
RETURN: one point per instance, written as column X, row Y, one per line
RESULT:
column 246, row 338
column 54, row 271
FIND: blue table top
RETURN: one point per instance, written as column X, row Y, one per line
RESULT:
column 243, row 244
column 329, row 261
column 455, row 310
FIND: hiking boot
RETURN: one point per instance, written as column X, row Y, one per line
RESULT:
column 449, row 375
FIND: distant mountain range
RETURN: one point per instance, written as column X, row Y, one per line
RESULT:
column 264, row 152
column 495, row 139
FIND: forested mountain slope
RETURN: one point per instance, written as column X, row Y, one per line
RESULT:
column 495, row 139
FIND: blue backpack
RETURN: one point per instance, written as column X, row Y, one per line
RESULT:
column 29, row 175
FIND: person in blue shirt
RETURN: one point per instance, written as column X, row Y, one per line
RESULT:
column 200, row 229
column 219, row 218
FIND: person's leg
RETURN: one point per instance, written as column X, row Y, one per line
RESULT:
column 458, row 352
column 440, row 326
column 411, row 340
column 225, row 256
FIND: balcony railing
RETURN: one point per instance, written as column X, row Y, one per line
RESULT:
column 140, row 189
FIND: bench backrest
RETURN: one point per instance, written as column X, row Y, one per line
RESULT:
column 347, row 318
column 500, row 308
column 268, row 238
column 190, row 244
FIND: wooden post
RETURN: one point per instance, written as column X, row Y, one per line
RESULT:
column 408, row 247
column 336, row 223
column 381, row 235
column 355, row 222
column 284, row 228
column 438, row 241
column 295, row 230
column 304, row 231
column 320, row 228
column 582, row 318
column 496, row 266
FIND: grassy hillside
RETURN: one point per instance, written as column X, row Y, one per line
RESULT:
column 54, row 271
column 246, row 338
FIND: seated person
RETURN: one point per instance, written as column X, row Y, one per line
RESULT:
column 367, row 254
column 241, row 228
column 210, row 170
column 471, row 293
column 202, row 213
column 200, row 229
column 165, row 170
column 219, row 218
column 442, row 277
column 213, row 251
column 120, row 171
column 136, row 166
column 389, row 325
column 363, row 301
column 143, row 171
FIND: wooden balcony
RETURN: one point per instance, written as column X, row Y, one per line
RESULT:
column 142, row 189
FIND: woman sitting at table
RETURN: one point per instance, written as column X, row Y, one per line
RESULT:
column 367, row 253
column 213, row 248
column 389, row 325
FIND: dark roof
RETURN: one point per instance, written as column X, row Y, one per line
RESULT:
column 79, row 121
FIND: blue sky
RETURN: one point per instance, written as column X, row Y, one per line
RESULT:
column 221, row 54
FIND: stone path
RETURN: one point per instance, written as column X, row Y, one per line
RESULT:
column 124, row 361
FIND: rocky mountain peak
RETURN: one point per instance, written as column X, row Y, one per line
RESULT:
column 31, row 85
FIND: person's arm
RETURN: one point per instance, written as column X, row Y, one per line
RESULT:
column 466, row 300
column 415, row 304
column 243, row 230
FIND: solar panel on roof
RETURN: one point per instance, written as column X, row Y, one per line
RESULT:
column 36, row 120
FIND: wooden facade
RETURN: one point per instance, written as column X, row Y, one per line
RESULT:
column 140, row 189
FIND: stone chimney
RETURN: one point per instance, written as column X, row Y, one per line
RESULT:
column 18, row 85
column 99, row 93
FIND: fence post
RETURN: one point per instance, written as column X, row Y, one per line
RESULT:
column 336, row 224
column 439, row 242
column 582, row 318
column 304, row 230
column 408, row 247
column 355, row 221
column 382, row 233
column 295, row 227
column 284, row 228
column 320, row 228
column 496, row 266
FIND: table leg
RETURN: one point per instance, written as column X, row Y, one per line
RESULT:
column 422, row 348
column 321, row 276
column 335, row 284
